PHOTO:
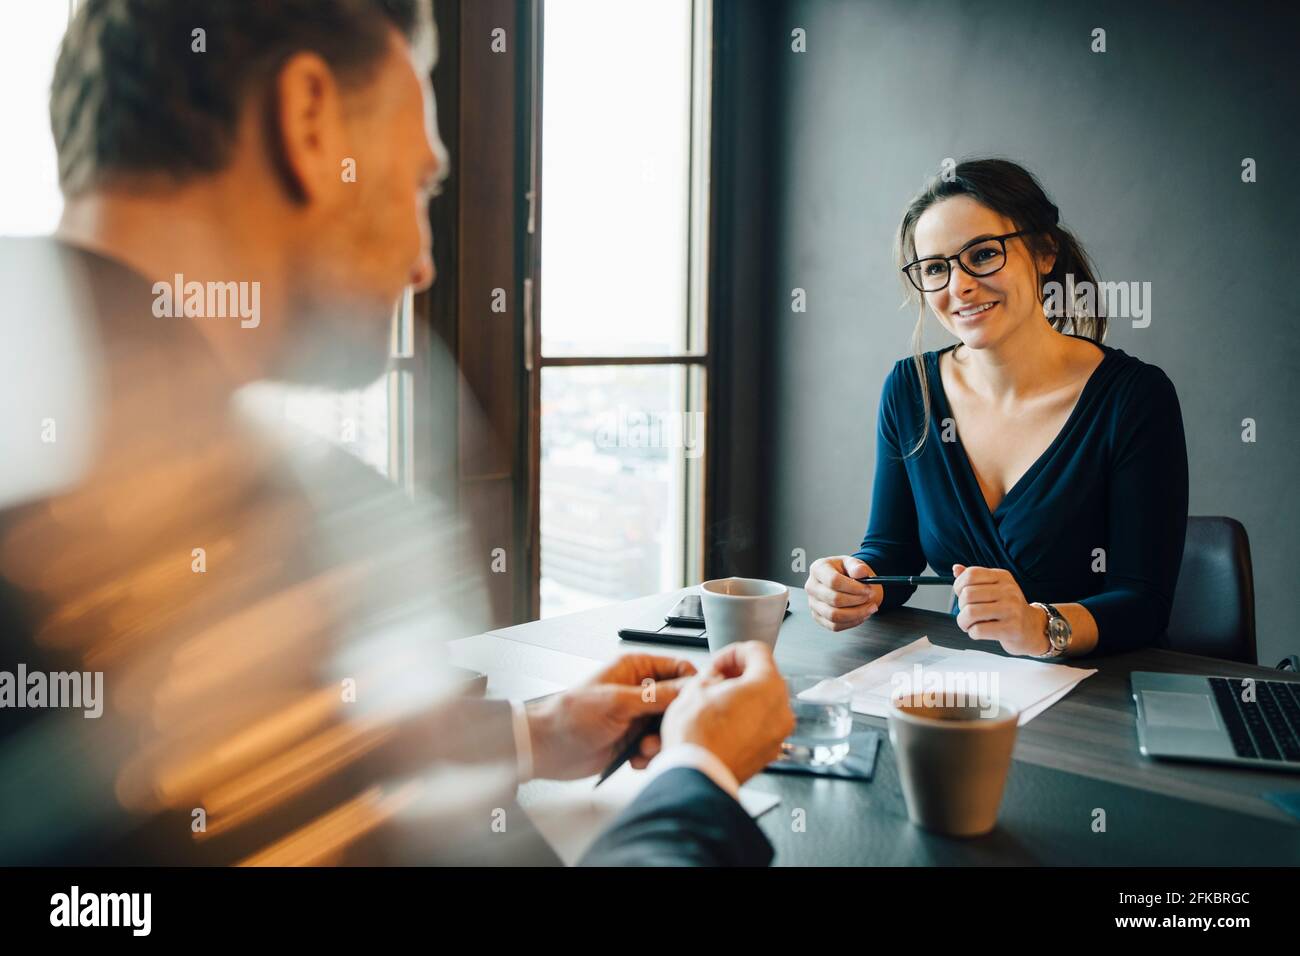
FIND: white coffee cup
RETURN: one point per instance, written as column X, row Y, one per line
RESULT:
column 742, row 609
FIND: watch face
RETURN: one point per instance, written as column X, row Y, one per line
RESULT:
column 1057, row 633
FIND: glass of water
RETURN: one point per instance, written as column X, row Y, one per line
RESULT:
column 823, row 718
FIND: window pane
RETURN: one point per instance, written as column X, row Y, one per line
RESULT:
column 30, row 202
column 619, row 444
column 356, row 420
column 615, row 174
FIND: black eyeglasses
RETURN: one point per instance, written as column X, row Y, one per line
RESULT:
column 979, row 258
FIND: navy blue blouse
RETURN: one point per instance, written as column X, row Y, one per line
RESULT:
column 1099, row 519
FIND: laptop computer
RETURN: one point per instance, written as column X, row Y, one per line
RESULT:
column 1231, row 720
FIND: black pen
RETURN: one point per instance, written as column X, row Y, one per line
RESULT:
column 906, row 579
column 630, row 751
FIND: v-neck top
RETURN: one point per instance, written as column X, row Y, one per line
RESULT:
column 1099, row 519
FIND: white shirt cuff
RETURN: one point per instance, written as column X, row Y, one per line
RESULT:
column 697, row 757
column 523, row 741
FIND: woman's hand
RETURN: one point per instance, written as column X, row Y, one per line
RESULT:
column 837, row 601
column 993, row 608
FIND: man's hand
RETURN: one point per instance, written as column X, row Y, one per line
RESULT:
column 993, row 608
column 578, row 732
column 836, row 599
column 738, row 710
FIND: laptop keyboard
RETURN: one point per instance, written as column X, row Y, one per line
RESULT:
column 1267, row 728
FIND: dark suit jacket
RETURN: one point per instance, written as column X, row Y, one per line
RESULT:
column 681, row 819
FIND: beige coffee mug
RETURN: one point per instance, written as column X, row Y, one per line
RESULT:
column 952, row 762
column 742, row 609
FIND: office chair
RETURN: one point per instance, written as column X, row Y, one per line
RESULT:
column 1214, row 603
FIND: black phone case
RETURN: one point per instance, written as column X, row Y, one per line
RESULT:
column 687, row 612
column 666, row 635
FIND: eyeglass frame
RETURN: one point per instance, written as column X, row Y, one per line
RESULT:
column 1001, row 240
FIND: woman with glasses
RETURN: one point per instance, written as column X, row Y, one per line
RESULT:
column 1046, row 470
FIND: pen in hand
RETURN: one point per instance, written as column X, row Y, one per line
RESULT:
column 909, row 579
column 630, row 751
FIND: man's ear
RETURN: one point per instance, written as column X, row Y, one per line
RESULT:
column 307, row 126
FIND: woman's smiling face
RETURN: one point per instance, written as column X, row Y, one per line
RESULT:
column 1005, row 299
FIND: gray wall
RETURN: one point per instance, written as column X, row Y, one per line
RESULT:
column 1140, row 147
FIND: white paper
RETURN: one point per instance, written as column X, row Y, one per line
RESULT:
column 518, row 671
column 570, row 814
column 1029, row 685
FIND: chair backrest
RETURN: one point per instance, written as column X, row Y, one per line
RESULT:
column 1214, row 603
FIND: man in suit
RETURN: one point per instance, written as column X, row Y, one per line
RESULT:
column 246, row 189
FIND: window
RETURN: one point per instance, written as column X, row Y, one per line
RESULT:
column 373, row 423
column 356, row 420
column 623, row 176
column 30, row 202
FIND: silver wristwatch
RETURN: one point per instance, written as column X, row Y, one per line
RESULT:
column 1057, row 631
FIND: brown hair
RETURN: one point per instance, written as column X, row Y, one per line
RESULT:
column 1011, row 190
column 132, row 94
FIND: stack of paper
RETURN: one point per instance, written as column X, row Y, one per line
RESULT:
column 1028, row 685
column 571, row 814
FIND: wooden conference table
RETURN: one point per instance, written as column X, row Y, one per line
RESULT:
column 1078, row 757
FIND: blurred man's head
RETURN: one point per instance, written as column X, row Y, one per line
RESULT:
column 298, row 133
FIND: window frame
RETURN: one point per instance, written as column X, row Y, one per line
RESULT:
column 693, row 473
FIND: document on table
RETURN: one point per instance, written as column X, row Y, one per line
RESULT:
column 571, row 814
column 520, row 671
column 1029, row 685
